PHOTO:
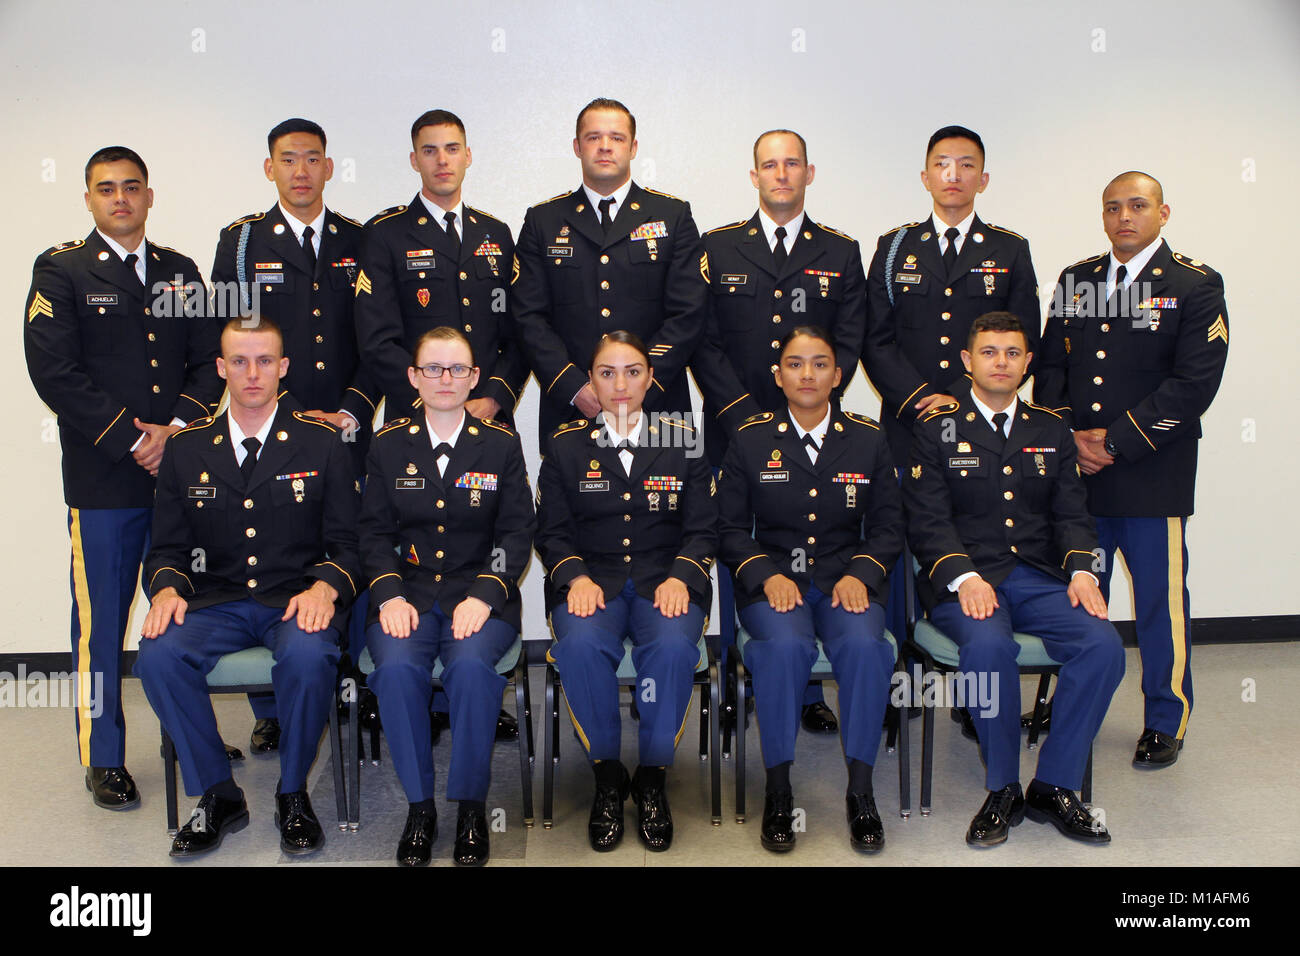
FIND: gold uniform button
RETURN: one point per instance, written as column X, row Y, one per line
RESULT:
column 315, row 287
column 605, row 313
column 266, row 288
column 248, row 503
column 1096, row 406
column 316, row 312
column 1006, row 469
column 812, row 540
column 777, row 294
column 252, row 583
column 812, row 561
column 250, row 532
column 464, row 275
column 945, row 316
column 440, row 504
column 153, row 363
column 147, row 312
column 627, row 517
column 103, row 311
column 1096, row 380
column 437, row 577
column 422, row 274
column 604, row 284
column 1101, row 353
column 774, row 368
column 1010, row 522
column 152, row 337
column 156, row 389
column 626, row 542
column 320, row 366
column 627, row 496
column 252, row 560
column 437, row 554
column 943, row 363
column 464, row 301
column 776, row 318
column 627, row 559
column 964, row 472
column 812, row 517
column 1008, row 495
column 557, row 262
column 943, row 340
column 1013, row 549
column 469, row 328
column 604, row 260
column 776, row 344
column 812, row 492
column 947, row 291
column 441, row 529
column 1105, row 326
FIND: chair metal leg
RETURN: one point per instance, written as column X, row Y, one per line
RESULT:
column 704, row 721
column 891, row 729
column 550, row 751
column 904, row 764
column 1086, row 794
column 354, row 765
column 528, row 714
column 927, row 757
column 374, row 745
column 336, row 765
column 1040, row 702
column 728, row 713
column 741, row 721
column 525, row 733
column 169, row 782
column 715, row 763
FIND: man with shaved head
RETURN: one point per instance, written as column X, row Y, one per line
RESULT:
column 1133, row 353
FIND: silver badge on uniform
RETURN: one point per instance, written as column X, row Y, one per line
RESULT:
column 850, row 496
column 653, row 498
column 298, row 486
column 672, row 501
column 475, row 498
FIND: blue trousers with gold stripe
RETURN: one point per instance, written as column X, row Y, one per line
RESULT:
column 781, row 654
column 401, row 681
column 174, row 666
column 665, row 652
column 108, row 546
column 1092, row 665
column 1155, row 550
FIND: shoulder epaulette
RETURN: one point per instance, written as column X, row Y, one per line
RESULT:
column 482, row 213
column 676, row 422
column 347, row 219
column 390, row 426
column 1082, row 262
column 725, row 228
column 947, row 408
column 388, row 213
column 499, row 426
column 253, row 217
column 665, row 195
column 1007, row 231
column 159, row 245
column 861, row 420
column 1042, row 408
column 65, row 246
column 304, row 417
column 755, row 420
column 906, row 225
column 196, row 425
column 567, row 427
column 836, row 232
column 546, row 202
column 1189, row 263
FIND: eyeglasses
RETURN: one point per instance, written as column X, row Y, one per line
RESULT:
column 435, row 371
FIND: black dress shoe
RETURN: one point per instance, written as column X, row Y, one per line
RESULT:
column 300, row 831
column 1002, row 810
column 777, row 834
column 819, row 719
column 212, row 819
column 471, row 837
column 1154, row 750
column 654, row 821
column 962, row 716
column 1027, row 718
column 1062, row 809
column 416, row 845
column 266, row 736
column 866, row 832
column 112, row 788
column 507, row 727
column 605, row 828
column 233, row 753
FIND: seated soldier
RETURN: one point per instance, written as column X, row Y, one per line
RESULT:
column 254, row 543
column 811, row 520
column 998, row 521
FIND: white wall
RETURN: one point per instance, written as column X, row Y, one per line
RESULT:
column 1197, row 93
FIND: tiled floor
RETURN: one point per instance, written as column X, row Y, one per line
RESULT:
column 1218, row 806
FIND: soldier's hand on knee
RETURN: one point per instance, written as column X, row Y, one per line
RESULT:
column 782, row 593
column 1083, row 590
column 398, row 618
column 314, row 607
column 585, row 597
column 167, row 606
column 977, row 597
column 469, row 617
column 850, row 594
column 672, row 598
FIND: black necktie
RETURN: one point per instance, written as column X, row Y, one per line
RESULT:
column 442, row 449
column 251, row 445
column 605, row 220
column 778, row 251
column 811, row 442
column 130, row 261
column 452, row 234
column 999, row 422
column 309, row 249
column 1117, row 295
column 626, row 444
column 950, row 254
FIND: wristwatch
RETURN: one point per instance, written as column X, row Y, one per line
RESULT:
column 1109, row 445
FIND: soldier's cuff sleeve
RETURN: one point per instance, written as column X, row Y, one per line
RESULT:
column 336, row 577
column 691, row 572
column 1077, row 561
column 949, row 567
column 735, row 414
column 496, row 389
column 566, row 570
column 492, row 589
column 189, row 409
column 870, row 571
column 1131, row 441
column 568, row 383
column 169, row 577
column 386, row 587
column 753, row 571
column 119, row 437
column 358, row 405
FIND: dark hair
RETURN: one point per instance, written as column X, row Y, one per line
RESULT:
column 436, row 118
column 621, row 337
column 604, row 103
column 996, row 322
column 443, row 333
column 1139, row 175
column 813, row 332
column 295, row 125
column 954, row 132
column 254, row 323
column 776, row 132
column 113, row 154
